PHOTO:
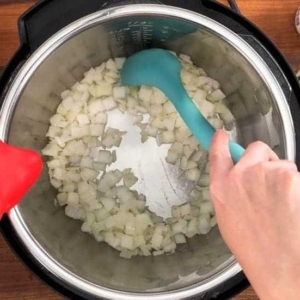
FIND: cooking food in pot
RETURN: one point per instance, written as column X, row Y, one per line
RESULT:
column 258, row 86
column 145, row 68
column 84, row 147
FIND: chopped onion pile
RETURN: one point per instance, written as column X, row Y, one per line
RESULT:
column 104, row 200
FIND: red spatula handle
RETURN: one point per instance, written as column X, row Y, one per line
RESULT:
column 19, row 170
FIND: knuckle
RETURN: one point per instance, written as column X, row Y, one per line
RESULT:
column 286, row 176
column 257, row 145
column 215, row 155
column 260, row 168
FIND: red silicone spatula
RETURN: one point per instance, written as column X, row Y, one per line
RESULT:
column 19, row 170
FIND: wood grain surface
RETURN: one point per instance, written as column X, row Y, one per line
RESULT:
column 274, row 17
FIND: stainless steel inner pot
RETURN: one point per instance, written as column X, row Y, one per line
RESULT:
column 254, row 96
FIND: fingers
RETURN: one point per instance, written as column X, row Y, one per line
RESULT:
column 219, row 155
column 255, row 153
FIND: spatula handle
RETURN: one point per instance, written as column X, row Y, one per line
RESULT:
column 200, row 127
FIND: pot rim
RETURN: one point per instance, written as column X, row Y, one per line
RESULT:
column 230, row 267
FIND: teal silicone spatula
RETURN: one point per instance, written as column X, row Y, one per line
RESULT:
column 161, row 69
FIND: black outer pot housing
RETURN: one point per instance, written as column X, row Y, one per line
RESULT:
column 47, row 17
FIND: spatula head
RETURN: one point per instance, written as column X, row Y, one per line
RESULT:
column 154, row 67
column 19, row 170
column 161, row 69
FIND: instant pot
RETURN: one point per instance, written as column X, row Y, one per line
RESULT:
column 62, row 39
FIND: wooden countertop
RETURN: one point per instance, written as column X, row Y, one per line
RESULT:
column 274, row 17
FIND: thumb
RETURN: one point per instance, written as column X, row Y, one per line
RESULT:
column 219, row 156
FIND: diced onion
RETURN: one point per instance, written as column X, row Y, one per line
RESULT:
column 83, row 119
column 216, row 96
column 172, row 157
column 96, row 106
column 105, row 157
column 104, row 200
column 109, row 103
column 96, row 130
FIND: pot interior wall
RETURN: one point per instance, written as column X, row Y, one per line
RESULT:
column 248, row 98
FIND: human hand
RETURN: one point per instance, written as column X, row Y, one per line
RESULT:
column 257, row 204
